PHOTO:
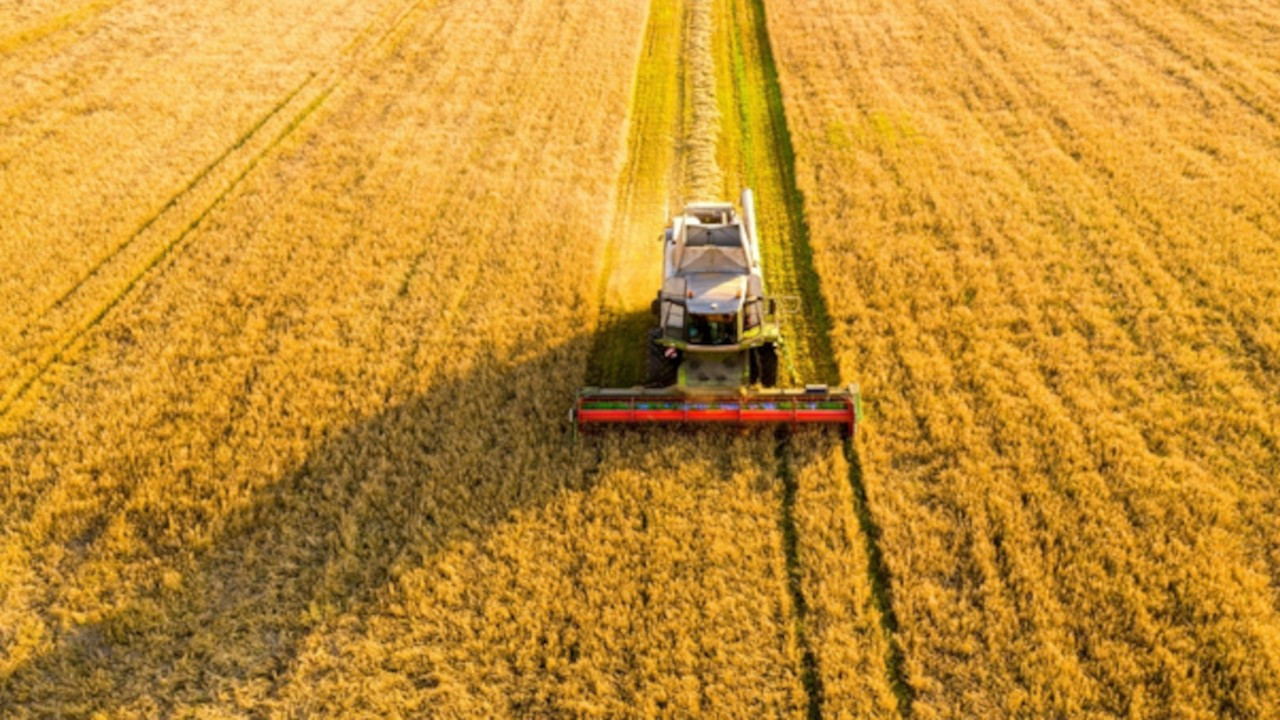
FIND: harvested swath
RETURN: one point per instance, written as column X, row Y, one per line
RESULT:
column 701, row 172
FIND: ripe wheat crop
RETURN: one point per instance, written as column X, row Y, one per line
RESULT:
column 312, row 459
column 114, row 115
column 1046, row 234
column 296, row 295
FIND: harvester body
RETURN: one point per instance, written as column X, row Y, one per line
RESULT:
column 713, row 353
column 716, row 328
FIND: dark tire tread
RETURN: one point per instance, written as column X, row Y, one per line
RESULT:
column 764, row 365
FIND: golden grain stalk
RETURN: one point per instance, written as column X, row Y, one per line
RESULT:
column 314, row 460
column 1041, row 231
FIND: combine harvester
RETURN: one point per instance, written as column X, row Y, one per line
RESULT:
column 713, row 357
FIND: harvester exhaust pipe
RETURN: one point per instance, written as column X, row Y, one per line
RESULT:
column 749, row 215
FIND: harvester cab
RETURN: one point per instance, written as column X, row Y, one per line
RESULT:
column 714, row 350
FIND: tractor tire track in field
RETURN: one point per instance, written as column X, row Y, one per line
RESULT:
column 809, row 673
column 52, row 336
column 757, row 136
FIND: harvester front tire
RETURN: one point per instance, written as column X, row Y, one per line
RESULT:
column 765, row 360
column 662, row 370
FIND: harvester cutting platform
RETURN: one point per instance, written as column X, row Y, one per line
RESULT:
column 714, row 353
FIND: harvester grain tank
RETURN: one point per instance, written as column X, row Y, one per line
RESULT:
column 714, row 350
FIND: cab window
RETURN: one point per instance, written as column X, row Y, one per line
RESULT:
column 713, row 329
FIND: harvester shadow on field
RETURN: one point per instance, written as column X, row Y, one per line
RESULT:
column 330, row 536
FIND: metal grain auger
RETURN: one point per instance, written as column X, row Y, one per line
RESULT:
column 713, row 355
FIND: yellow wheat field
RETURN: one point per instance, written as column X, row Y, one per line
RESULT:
column 1047, row 235
column 113, row 113
column 314, row 461
column 295, row 298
